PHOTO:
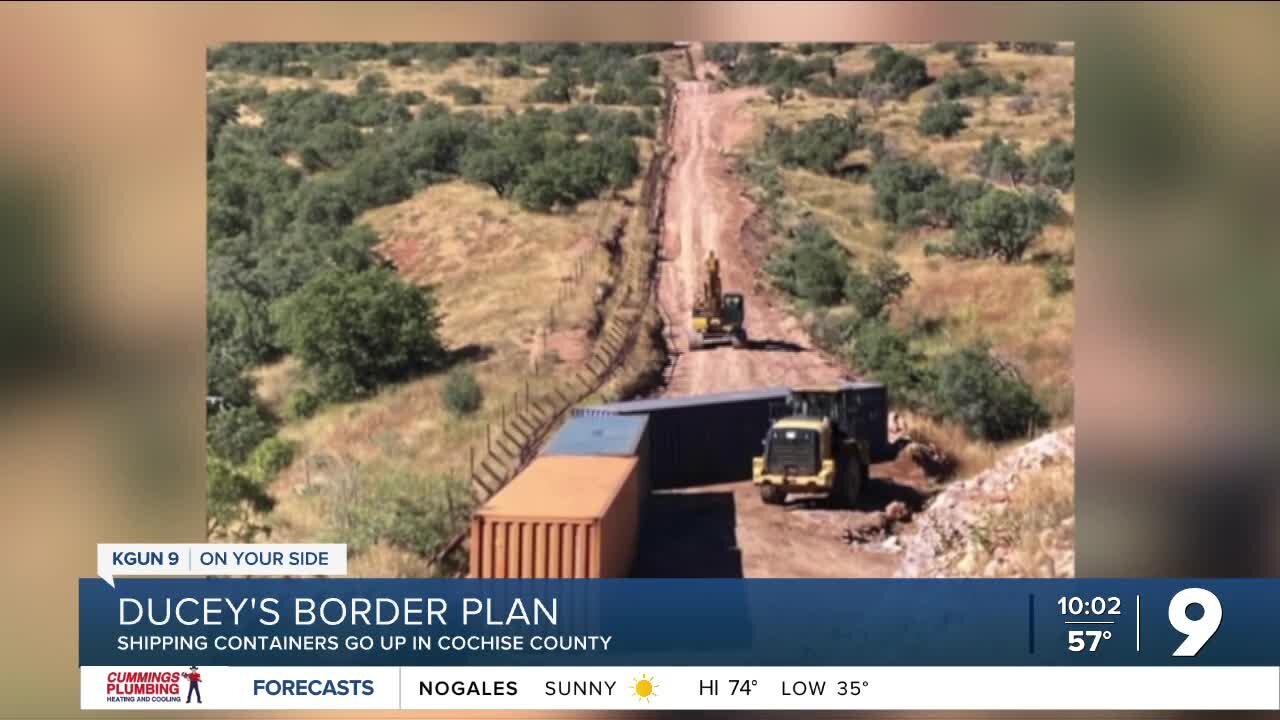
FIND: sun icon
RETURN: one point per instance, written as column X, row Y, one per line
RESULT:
column 644, row 688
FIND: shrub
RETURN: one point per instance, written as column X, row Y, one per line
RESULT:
column 493, row 167
column 555, row 89
column 334, row 143
column 887, row 355
column 372, row 83
column 965, row 54
column 235, row 432
column 902, row 72
column 507, row 68
column 1030, row 48
column 377, row 178
column 461, row 94
column 543, row 186
column 356, row 331
column 647, row 95
column 461, row 393
column 409, row 97
column 819, row 145
column 999, row 160
column 944, row 118
column 231, row 491
column 945, row 201
column 1043, row 207
column 380, row 503
column 811, row 265
column 611, row 94
column 987, row 398
column 899, row 187
column 971, row 82
column 873, row 291
column 1001, row 224
column 301, row 404
column 1058, row 277
column 1053, row 164
column 1021, row 105
column 779, row 93
column 400, row 58
column 269, row 458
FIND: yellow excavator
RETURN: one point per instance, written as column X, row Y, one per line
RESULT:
column 717, row 317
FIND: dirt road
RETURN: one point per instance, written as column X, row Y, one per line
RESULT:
column 726, row 530
column 706, row 210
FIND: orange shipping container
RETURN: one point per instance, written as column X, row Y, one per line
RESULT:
column 565, row 516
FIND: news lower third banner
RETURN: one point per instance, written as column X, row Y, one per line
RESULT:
column 329, row 643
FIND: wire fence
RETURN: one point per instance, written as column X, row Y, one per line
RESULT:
column 521, row 432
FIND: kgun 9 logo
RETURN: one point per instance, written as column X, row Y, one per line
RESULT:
column 1197, row 629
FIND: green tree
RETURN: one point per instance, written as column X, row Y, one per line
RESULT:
column 986, row 397
column 647, row 95
column 811, row 266
column 356, row 331
column 324, row 201
column 543, row 186
column 494, row 167
column 900, row 187
column 611, row 94
column 944, row 118
column 1000, row 224
column 900, row 71
column 1053, row 164
column 819, row 145
column 377, row 178
column 999, row 160
column 888, row 356
column 234, row 433
column 881, row 286
column 972, row 82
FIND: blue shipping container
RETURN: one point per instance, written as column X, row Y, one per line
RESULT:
column 594, row 433
column 702, row 439
column 599, row 434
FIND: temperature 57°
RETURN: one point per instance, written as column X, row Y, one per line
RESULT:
column 1086, row 640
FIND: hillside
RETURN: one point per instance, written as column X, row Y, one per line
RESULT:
column 492, row 182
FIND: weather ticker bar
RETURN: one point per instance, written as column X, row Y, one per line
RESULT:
column 691, row 688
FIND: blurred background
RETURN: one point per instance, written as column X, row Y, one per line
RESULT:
column 102, row 268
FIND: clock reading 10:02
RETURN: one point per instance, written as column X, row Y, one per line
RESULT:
column 1092, row 606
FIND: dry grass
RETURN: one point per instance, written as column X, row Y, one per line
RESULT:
column 1033, row 533
column 496, row 270
column 272, row 383
column 968, row 455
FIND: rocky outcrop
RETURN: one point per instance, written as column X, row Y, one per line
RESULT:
column 1015, row 519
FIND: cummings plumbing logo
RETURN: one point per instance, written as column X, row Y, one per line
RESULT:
column 153, row 686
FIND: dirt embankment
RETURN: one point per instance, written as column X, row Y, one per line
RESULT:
column 1015, row 519
column 726, row 530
